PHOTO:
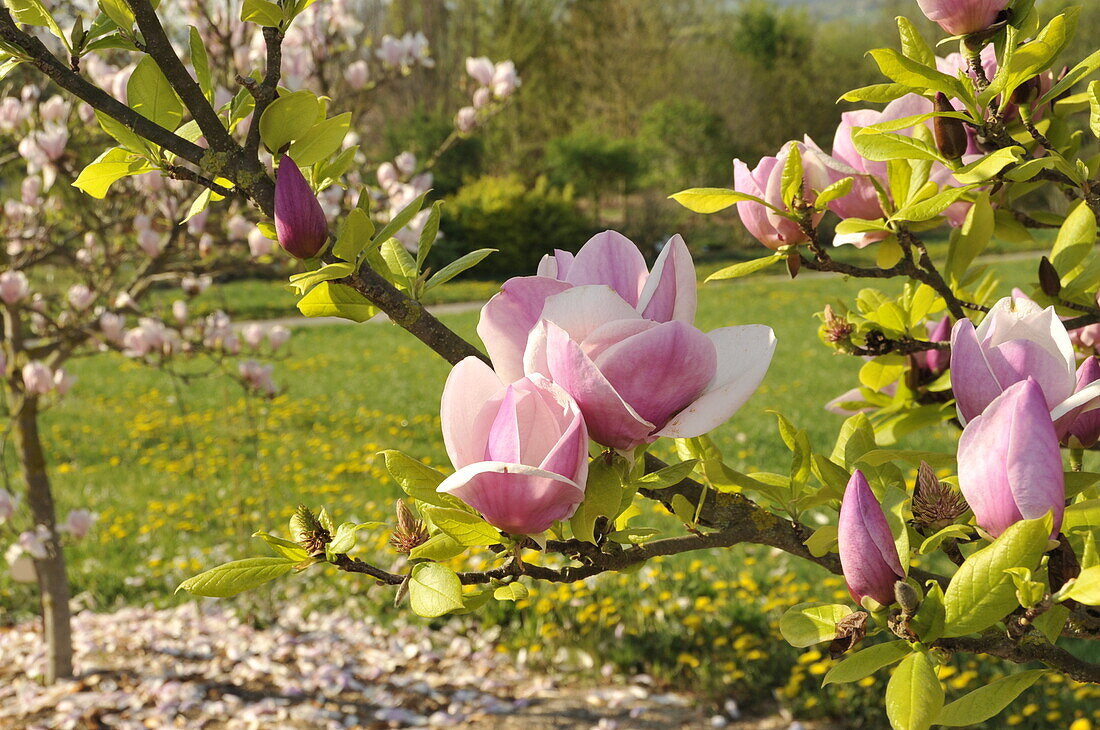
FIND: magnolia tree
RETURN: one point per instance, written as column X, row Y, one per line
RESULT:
column 595, row 357
column 77, row 281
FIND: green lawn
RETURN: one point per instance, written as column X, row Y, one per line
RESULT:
column 182, row 475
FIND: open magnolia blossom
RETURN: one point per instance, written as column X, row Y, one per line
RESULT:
column 1010, row 468
column 1018, row 340
column 520, row 448
column 637, row 380
column 765, row 181
column 667, row 293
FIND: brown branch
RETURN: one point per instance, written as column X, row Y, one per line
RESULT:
column 160, row 49
column 1032, row 650
column 267, row 90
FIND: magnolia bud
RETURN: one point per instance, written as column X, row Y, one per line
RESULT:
column 1049, row 281
column 299, row 219
column 308, row 531
column 410, row 532
column 1026, row 92
column 951, row 137
column 907, row 598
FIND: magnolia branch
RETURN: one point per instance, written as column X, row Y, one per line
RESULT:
column 1029, row 650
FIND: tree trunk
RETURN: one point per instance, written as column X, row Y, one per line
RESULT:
column 53, row 580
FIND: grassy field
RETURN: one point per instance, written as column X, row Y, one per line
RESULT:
column 182, row 475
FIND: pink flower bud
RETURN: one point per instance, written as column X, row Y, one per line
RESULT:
column 505, row 80
column 480, row 70
column 959, row 17
column 868, row 555
column 520, row 450
column 253, row 334
column 37, row 378
column 406, row 163
column 277, row 336
column 111, row 325
column 357, row 74
column 35, row 542
column 20, row 564
column 482, row 98
column 81, row 296
column 7, row 505
column 150, row 242
column 299, row 220
column 180, row 311
column 238, row 227
column 387, row 175
column 1010, row 467
column 259, row 244
column 466, row 119
column 765, row 182
column 78, row 523
column 62, row 381
column 14, row 287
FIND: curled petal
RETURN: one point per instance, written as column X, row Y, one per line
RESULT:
column 518, row 499
column 671, row 290
column 612, row 259
column 744, row 354
column 972, row 378
column 509, row 316
column 465, row 412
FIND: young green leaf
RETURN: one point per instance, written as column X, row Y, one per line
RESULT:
column 985, row 702
column 434, row 590
column 811, row 623
column 240, row 575
column 866, row 662
column 914, row 695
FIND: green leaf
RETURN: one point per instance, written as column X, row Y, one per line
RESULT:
column 981, row 593
column 107, row 169
column 931, row 207
column 151, row 95
column 122, row 134
column 928, row 623
column 511, row 592
column 1076, row 238
column 417, row 479
column 792, row 180
column 878, row 93
column 466, row 528
column 321, row 141
column 200, row 61
column 744, row 268
column 837, row 190
column 712, row 200
column 329, row 299
column 672, row 474
column 913, row 45
column 986, row 168
column 34, row 12
column 285, row 548
column 1083, row 515
column 288, row 118
column 458, row 266
column 1034, row 56
column 240, row 575
column 908, row 72
column 262, row 12
column 439, row 547
column 1094, row 108
column 823, row 541
column 402, row 219
column 428, row 234
column 1085, row 588
column 969, row 241
column 886, row 146
column 811, row 623
column 354, row 237
column 933, row 541
column 344, row 540
column 1050, row 623
column 602, row 498
column 914, row 696
column 306, row 280
column 119, row 12
column 400, row 262
column 434, row 590
column 882, row 371
column 985, row 702
column 866, row 662
column 1083, row 69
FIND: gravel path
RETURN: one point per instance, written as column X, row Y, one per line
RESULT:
column 198, row 666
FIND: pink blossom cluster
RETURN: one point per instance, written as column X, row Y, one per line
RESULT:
column 495, row 82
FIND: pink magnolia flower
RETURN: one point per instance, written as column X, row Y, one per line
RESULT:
column 505, row 80
column 253, row 334
column 180, row 311
column 37, row 378
column 520, row 449
column 7, row 505
column 81, row 296
column 608, row 258
column 480, row 69
column 637, row 379
column 466, row 119
column 14, row 287
column 1010, row 467
column 387, row 175
column 277, row 336
column 1016, row 341
column 868, row 555
column 1084, row 431
column 959, row 17
column 299, row 220
column 62, row 381
column 765, row 182
column 259, row 244
column 36, row 542
column 78, row 523
column 357, row 74
column 112, row 326
column 406, row 163
column 482, row 98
